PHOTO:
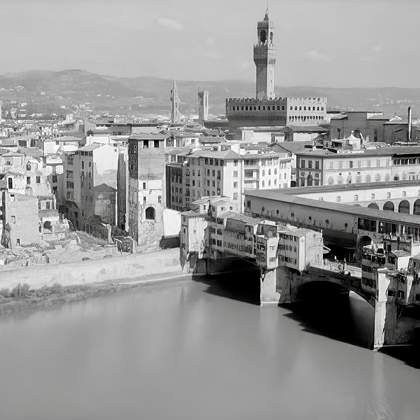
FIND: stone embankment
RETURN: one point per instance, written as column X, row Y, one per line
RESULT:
column 150, row 266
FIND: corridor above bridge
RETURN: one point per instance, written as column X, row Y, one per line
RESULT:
column 398, row 196
column 342, row 224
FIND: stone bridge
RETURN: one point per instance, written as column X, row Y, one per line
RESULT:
column 391, row 326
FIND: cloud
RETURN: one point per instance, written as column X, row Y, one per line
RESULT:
column 170, row 24
column 213, row 55
column 368, row 59
column 316, row 55
column 210, row 41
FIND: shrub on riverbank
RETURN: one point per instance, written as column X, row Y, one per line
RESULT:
column 24, row 299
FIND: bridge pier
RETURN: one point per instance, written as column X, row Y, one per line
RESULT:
column 379, row 324
column 268, row 287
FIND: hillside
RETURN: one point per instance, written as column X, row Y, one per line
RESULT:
column 47, row 91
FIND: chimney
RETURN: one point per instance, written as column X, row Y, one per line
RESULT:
column 410, row 124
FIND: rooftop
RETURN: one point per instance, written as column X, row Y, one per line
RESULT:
column 364, row 212
column 382, row 151
column 104, row 188
column 241, row 217
column 65, row 139
column 217, row 154
column 293, row 147
column 349, row 187
column 151, row 136
column 307, row 129
column 90, row 147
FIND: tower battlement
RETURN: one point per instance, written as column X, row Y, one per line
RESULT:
column 266, row 109
column 254, row 101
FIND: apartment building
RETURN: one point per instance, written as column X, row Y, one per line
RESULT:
column 83, row 170
column 330, row 167
column 192, row 175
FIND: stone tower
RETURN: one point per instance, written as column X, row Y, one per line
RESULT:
column 265, row 59
column 175, row 114
column 203, row 105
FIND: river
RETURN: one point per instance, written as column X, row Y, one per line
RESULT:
column 190, row 350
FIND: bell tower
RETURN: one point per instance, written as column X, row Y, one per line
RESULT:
column 265, row 59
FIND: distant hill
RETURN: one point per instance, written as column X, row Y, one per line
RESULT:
column 48, row 91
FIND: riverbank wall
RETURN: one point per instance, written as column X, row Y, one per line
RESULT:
column 163, row 262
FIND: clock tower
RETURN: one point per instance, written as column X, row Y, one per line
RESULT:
column 265, row 59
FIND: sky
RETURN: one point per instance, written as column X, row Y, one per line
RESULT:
column 330, row 43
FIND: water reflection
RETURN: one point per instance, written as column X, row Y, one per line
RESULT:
column 191, row 351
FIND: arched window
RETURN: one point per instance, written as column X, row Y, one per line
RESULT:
column 389, row 206
column 368, row 179
column 404, row 207
column 416, row 210
column 150, row 213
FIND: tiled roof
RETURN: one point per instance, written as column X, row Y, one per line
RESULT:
column 349, row 187
column 104, row 188
column 278, row 195
column 226, row 154
column 382, row 151
column 151, row 136
column 90, row 147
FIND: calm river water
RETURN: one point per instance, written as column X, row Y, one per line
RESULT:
column 188, row 350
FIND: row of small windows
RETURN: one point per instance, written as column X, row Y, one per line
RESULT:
column 306, row 117
column 310, row 164
column 388, row 195
column 358, row 179
column 307, row 108
column 258, row 108
column 275, row 108
column 368, row 178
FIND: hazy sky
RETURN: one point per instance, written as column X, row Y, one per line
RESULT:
column 320, row 42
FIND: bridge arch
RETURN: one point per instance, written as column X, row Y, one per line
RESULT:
column 389, row 206
column 373, row 206
column 323, row 289
column 319, row 288
column 404, row 207
column 416, row 208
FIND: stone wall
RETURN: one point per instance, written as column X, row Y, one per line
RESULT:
column 88, row 272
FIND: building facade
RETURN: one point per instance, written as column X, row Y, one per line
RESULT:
column 331, row 167
column 224, row 173
column 146, row 186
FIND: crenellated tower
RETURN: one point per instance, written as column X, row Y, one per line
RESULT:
column 265, row 59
